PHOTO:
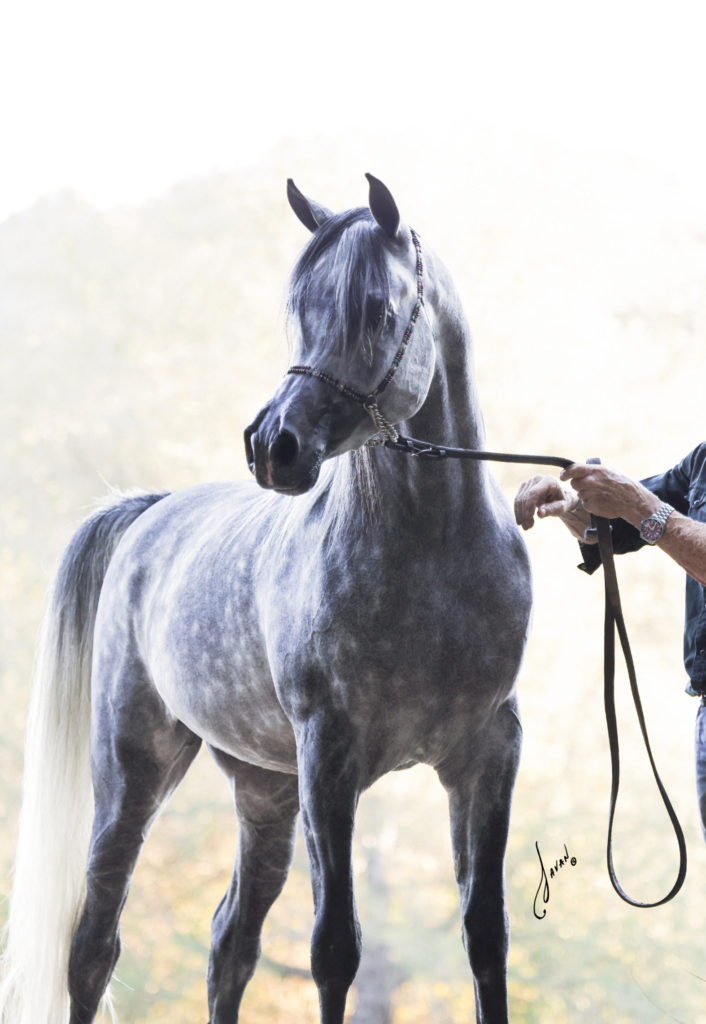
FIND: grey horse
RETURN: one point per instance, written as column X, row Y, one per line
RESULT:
column 375, row 621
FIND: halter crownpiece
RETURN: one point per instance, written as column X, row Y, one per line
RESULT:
column 386, row 431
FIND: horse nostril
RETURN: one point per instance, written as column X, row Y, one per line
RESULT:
column 249, row 454
column 284, row 449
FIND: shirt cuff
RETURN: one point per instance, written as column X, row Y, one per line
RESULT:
column 591, row 558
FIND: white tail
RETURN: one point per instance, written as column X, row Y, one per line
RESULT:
column 57, row 807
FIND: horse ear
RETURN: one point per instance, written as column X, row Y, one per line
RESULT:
column 311, row 214
column 383, row 207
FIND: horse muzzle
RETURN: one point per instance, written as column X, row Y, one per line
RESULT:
column 278, row 459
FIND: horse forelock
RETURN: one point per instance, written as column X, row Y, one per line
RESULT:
column 347, row 256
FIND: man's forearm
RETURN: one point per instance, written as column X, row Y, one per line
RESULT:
column 684, row 540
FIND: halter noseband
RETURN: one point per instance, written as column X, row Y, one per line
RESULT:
column 385, row 430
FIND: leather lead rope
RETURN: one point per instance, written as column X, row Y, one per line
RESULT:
column 613, row 621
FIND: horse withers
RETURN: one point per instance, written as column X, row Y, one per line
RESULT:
column 358, row 613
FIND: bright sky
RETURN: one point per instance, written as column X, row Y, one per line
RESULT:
column 120, row 100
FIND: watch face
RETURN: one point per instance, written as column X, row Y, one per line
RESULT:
column 652, row 530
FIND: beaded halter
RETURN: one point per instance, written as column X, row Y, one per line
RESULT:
column 385, row 430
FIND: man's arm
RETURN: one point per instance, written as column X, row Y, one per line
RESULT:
column 599, row 490
column 606, row 493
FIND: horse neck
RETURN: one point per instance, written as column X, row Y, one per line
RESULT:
column 451, row 413
column 440, row 491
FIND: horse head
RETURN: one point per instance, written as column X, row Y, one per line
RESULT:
column 363, row 349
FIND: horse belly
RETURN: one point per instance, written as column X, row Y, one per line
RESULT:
column 223, row 691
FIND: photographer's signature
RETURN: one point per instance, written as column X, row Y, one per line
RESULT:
column 542, row 895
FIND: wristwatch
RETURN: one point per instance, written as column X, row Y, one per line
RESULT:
column 652, row 528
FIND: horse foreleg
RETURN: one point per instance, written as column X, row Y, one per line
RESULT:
column 329, row 788
column 267, row 804
column 480, row 788
column 134, row 771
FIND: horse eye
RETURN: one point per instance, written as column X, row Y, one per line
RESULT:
column 376, row 314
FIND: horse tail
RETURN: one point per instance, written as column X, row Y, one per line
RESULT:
column 57, row 807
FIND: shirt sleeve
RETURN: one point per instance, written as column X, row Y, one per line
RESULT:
column 672, row 487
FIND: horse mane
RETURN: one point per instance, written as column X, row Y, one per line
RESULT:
column 358, row 269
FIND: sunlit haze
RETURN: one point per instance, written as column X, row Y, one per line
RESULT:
column 121, row 101
column 552, row 156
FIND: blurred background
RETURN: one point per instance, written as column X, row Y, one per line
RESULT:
column 554, row 156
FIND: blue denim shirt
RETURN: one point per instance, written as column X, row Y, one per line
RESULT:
column 684, row 487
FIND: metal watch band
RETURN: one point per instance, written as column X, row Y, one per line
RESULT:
column 652, row 528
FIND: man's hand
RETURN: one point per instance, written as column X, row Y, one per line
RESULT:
column 604, row 492
column 545, row 496
column 594, row 489
column 610, row 494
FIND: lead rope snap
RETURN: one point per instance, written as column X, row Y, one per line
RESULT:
column 386, row 431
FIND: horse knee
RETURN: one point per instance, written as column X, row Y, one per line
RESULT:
column 486, row 939
column 336, row 947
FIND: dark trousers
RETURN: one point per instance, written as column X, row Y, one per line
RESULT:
column 700, row 749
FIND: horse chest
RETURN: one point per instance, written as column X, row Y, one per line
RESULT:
column 406, row 637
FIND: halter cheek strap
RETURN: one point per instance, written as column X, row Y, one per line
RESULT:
column 386, row 431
